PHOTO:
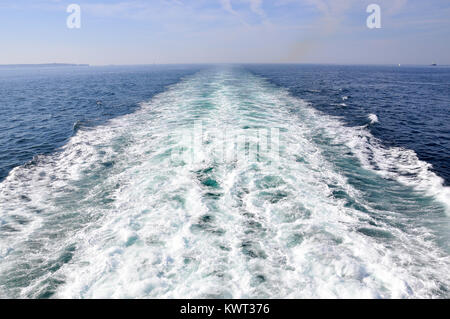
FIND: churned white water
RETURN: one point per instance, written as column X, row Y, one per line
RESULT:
column 224, row 186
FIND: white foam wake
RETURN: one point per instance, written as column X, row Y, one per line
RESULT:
column 373, row 118
column 115, row 214
column 396, row 163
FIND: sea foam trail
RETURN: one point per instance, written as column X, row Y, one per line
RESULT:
column 115, row 215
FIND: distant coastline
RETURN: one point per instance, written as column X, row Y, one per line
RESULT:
column 40, row 65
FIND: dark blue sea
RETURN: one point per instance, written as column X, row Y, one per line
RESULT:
column 225, row 181
column 412, row 103
column 41, row 107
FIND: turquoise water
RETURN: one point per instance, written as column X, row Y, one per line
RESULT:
column 225, row 185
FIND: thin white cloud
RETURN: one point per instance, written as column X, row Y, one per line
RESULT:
column 256, row 7
column 226, row 4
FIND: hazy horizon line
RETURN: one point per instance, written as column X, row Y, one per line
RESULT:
column 67, row 64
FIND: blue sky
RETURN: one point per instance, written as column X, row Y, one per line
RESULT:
column 230, row 31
